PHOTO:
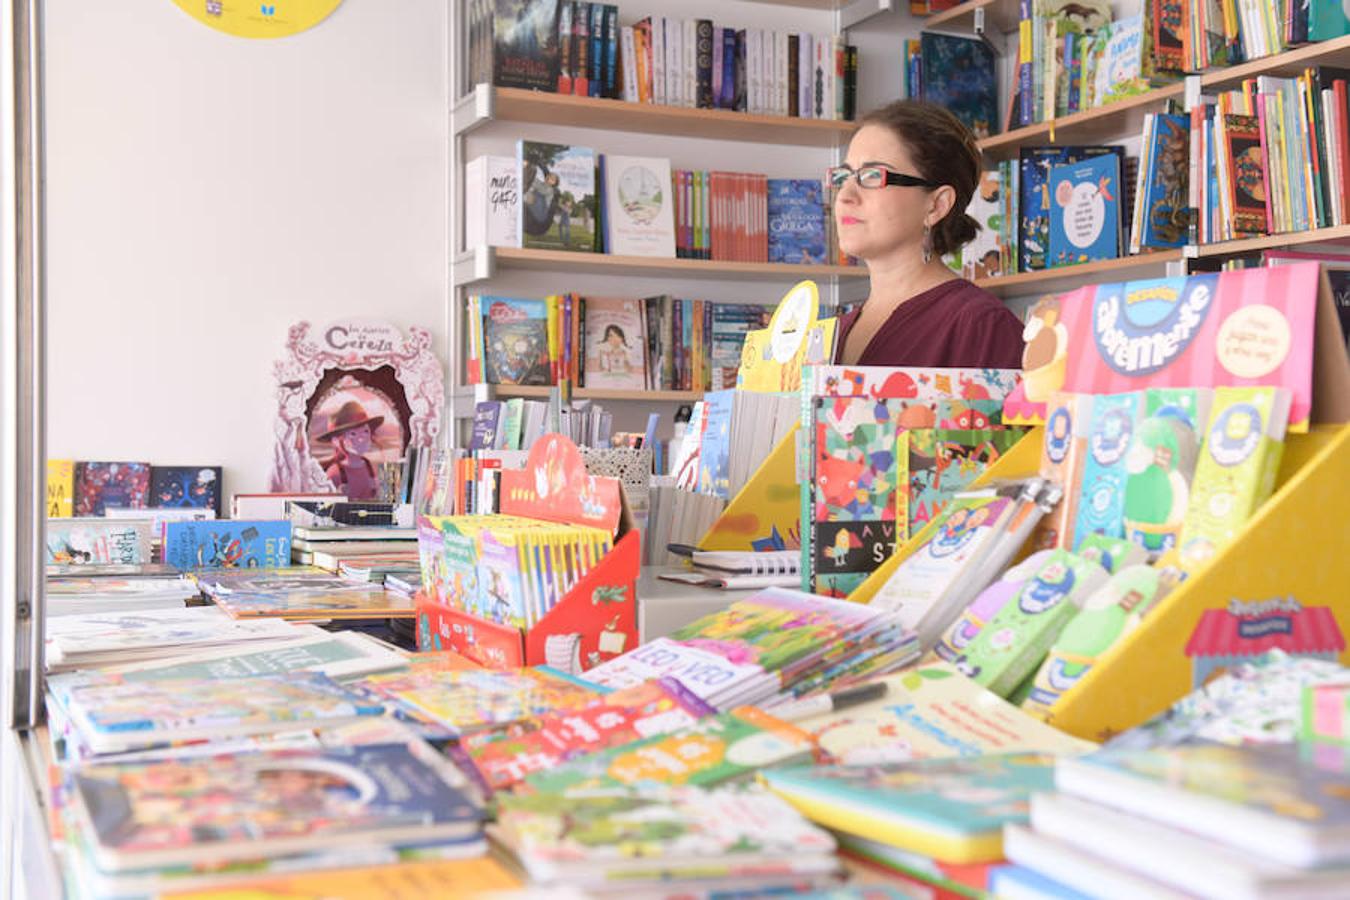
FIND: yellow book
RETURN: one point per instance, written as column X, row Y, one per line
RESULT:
column 405, row 881
column 60, row 488
column 766, row 513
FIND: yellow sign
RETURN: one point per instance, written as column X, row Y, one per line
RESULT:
column 259, row 18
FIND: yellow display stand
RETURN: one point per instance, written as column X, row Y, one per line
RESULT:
column 768, row 506
column 1281, row 584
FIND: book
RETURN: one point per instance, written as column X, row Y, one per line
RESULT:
column 944, row 461
column 639, row 207
column 227, row 543
column 354, row 601
column 984, row 256
column 267, row 804
column 491, row 201
column 102, row 484
column 557, row 196
column 515, row 341
column 1101, row 509
column 1035, row 200
column 958, row 73
column 486, row 416
column 1063, row 453
column 615, row 344
column 796, row 220
column 1085, row 216
column 60, row 488
column 97, row 541
column 1061, row 871
column 986, row 605
column 950, row 809
column 704, row 673
column 1272, row 801
column 1161, row 464
column 1166, row 210
column 189, row 486
column 525, row 44
column 1244, row 441
column 429, row 877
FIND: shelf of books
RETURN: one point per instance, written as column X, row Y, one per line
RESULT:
column 1334, row 52
column 1063, row 278
column 1245, row 246
column 535, row 391
column 1125, row 116
column 488, row 102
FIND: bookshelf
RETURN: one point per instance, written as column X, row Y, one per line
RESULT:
column 483, row 263
column 1335, row 52
column 541, row 392
column 1089, row 126
column 1066, row 278
column 1271, row 241
column 999, row 15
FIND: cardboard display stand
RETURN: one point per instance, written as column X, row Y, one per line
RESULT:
column 594, row 621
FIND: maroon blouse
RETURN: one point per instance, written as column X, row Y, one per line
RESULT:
column 953, row 325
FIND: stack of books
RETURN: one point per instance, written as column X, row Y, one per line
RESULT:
column 300, row 593
column 330, row 547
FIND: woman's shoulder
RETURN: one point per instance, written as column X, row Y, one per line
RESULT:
column 984, row 331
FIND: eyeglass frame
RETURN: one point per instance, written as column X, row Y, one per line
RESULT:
column 892, row 178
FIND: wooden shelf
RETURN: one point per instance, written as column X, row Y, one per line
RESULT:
column 1065, row 278
column 1272, row 241
column 483, row 263
column 1335, row 52
column 1113, row 121
column 542, row 391
column 487, row 103
column 999, row 15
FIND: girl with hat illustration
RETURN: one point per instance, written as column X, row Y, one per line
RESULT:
column 352, row 434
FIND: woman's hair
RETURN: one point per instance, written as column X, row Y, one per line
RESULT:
column 944, row 151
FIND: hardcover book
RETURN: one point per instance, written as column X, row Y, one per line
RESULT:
column 615, row 344
column 525, row 44
column 491, row 202
column 557, row 196
column 796, row 221
column 1034, row 199
column 60, row 488
column 1246, row 181
column 959, row 74
column 515, row 341
column 639, row 207
column 191, row 486
column 227, row 543
column 102, row 484
column 1085, row 211
column 1167, row 212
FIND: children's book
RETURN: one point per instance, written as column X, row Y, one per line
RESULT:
column 60, row 488
column 639, row 208
column 1112, row 554
column 616, row 344
column 712, row 751
column 1326, row 20
column 1063, row 454
column 267, row 804
column 1101, row 508
column 491, row 198
column 715, row 452
column 1035, row 200
column 985, row 256
column 1166, row 213
column 796, row 211
column 515, row 341
column 1085, row 217
column 959, row 75
column 703, row 673
column 958, row 637
column 97, row 541
column 413, row 878
column 557, row 196
column 109, row 638
column 1244, row 441
column 1245, row 182
column 950, row 809
column 944, row 461
column 190, row 486
column 525, row 44
column 356, row 601
column 1161, row 464
column 227, row 543
column 102, row 484
column 486, row 416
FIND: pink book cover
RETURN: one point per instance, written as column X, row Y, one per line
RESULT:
column 1265, row 156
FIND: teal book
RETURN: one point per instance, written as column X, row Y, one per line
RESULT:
column 1101, row 507
column 1326, row 20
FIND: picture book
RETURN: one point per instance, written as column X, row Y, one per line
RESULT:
column 1101, row 507
column 929, row 712
column 418, row 878
column 950, row 809
column 113, row 638
column 114, row 716
column 959, row 75
column 715, row 452
column 60, row 488
column 191, row 486
column 959, row 635
column 944, row 461
column 615, row 344
column 1274, row 801
column 491, row 202
column 1245, row 182
column 227, row 543
column 267, row 804
column 1063, row 454
column 102, row 484
column 796, row 220
column 1161, row 463
column 1108, row 616
column 557, row 196
column 525, row 44
column 983, row 257
column 772, row 358
column 1244, row 441
column 705, row 674
column 486, row 416
column 1166, row 214
column 631, row 840
column 1326, row 20
column 1010, row 647
column 1085, row 217
column 1034, row 202
column 1112, row 554
column 97, row 541
column 356, row 601
column 1125, row 65
column 639, row 207
column 515, row 341
column 710, row 752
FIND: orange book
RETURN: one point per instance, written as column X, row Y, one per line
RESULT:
column 404, row 881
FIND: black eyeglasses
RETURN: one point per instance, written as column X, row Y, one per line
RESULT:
column 873, row 177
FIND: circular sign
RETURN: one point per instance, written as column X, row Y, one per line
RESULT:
column 792, row 320
column 260, row 18
column 1254, row 341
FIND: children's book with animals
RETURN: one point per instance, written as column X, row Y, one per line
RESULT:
column 515, row 337
column 227, row 543
column 1085, row 213
column 191, row 486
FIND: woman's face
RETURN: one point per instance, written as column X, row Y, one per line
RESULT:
column 874, row 223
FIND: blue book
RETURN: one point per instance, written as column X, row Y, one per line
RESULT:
column 1166, row 202
column 796, row 221
column 1034, row 201
column 227, row 543
column 959, row 73
column 515, row 341
column 1019, row 881
column 715, row 453
column 196, row 487
column 1084, row 211
column 1101, row 505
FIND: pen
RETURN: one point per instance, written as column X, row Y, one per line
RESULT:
column 823, row 703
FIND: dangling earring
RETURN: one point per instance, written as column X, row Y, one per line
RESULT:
column 927, row 244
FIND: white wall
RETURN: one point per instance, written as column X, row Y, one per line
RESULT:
column 206, row 191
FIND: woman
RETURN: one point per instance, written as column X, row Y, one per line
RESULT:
column 899, row 205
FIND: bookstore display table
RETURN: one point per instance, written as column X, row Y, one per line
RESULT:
column 664, row 606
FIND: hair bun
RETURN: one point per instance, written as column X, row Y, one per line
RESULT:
column 954, row 232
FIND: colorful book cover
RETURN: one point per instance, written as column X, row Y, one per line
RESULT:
column 267, row 804
column 227, row 543
column 1034, row 198
column 102, row 484
column 1008, row 649
column 1326, row 20
column 1101, row 507
column 772, row 358
column 959, row 74
column 1112, row 554
column 515, row 341
column 60, row 488
column 486, row 417
column 413, row 878
column 715, row 452
column 1063, row 454
column 1161, row 463
column 1124, row 67
column 1246, row 182
column 1244, row 441
column 703, row 673
column 796, row 221
column 639, row 207
column 950, row 809
column 983, row 256
column 97, row 541
column 954, row 641
column 943, row 462
column 710, row 752
column 1085, row 214
column 186, row 486
column 616, row 344
column 355, row 601
column 525, row 44
column 557, row 196
column 1167, row 213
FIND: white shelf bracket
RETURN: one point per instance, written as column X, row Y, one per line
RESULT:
column 980, row 27
column 860, row 11
column 474, row 109
column 476, row 264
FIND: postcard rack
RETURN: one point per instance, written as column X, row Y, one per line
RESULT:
column 595, row 620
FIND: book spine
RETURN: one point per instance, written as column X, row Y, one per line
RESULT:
column 642, row 52
column 674, row 62
column 689, row 64
column 805, row 57
column 718, row 71
column 794, row 76
column 659, row 59
column 596, row 86
column 851, row 84
column 565, row 47
column 611, row 51
column 629, row 63
column 742, row 95
column 1025, row 57
column 581, row 48
column 703, row 59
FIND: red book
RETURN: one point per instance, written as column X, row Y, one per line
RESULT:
column 1341, row 129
